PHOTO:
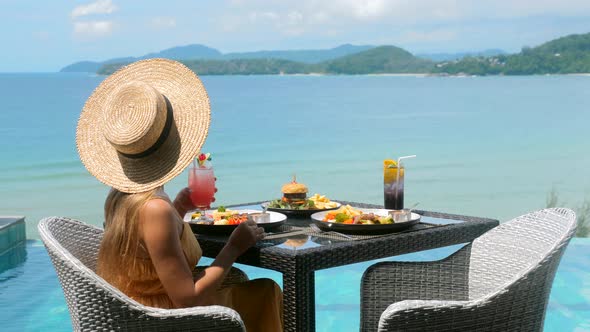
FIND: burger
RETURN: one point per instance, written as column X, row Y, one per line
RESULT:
column 294, row 194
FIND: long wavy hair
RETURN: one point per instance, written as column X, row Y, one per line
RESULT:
column 121, row 242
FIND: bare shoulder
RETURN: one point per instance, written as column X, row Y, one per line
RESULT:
column 158, row 228
column 158, row 212
column 157, row 206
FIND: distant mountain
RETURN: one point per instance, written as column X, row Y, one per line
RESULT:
column 201, row 52
column 94, row 66
column 565, row 55
column 82, row 67
column 235, row 67
column 194, row 51
column 306, row 56
column 379, row 60
column 438, row 57
column 569, row 54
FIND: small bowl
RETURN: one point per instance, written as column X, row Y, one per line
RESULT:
column 402, row 215
column 260, row 218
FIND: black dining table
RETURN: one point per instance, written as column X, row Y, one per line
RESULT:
column 297, row 251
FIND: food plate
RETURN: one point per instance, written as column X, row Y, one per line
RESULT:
column 299, row 213
column 276, row 220
column 318, row 218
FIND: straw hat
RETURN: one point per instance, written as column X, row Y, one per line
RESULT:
column 143, row 125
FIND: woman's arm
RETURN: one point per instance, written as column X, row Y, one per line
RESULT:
column 162, row 240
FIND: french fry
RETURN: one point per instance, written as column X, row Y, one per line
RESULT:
column 349, row 210
column 322, row 202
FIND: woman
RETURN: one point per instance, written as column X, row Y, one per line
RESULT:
column 140, row 128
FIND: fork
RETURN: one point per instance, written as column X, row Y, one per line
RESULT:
column 316, row 229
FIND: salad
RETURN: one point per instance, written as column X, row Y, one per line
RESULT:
column 284, row 204
column 349, row 215
column 223, row 216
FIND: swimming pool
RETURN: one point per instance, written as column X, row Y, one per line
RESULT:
column 31, row 298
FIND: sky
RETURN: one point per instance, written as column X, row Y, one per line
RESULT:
column 44, row 36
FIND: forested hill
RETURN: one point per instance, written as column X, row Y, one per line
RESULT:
column 565, row 55
column 202, row 52
column 378, row 60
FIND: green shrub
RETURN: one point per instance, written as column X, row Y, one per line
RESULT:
column 582, row 212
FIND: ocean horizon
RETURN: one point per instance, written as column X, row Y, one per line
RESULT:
column 486, row 146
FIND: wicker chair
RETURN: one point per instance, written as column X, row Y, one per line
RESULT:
column 500, row 282
column 95, row 305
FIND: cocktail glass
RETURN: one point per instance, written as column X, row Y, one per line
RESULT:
column 393, row 186
column 201, row 182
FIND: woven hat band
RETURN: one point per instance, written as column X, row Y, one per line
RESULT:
column 134, row 118
column 161, row 139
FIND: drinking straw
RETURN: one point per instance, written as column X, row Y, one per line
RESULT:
column 399, row 162
column 404, row 157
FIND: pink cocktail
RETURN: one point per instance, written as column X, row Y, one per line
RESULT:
column 201, row 182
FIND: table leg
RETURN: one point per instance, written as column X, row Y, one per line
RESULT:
column 299, row 301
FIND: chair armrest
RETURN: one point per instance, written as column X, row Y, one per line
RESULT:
column 204, row 318
column 501, row 311
column 105, row 308
column 388, row 282
column 420, row 315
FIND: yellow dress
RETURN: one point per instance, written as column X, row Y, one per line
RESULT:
column 259, row 301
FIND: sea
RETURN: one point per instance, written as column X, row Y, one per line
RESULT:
column 485, row 146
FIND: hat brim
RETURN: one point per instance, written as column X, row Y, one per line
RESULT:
column 192, row 117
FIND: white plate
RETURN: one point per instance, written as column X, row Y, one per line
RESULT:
column 274, row 216
column 318, row 218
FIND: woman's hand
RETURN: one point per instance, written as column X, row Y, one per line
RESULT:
column 244, row 237
column 183, row 202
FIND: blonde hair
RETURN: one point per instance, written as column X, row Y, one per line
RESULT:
column 120, row 244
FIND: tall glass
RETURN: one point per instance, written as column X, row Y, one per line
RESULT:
column 201, row 182
column 393, row 187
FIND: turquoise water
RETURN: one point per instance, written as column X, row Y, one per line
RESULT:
column 488, row 146
column 32, row 300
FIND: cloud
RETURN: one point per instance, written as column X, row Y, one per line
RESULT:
column 366, row 9
column 163, row 22
column 97, row 7
column 262, row 16
column 311, row 16
column 91, row 29
column 406, row 12
column 442, row 24
column 291, row 23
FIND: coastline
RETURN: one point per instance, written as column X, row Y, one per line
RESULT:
column 330, row 74
column 460, row 75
